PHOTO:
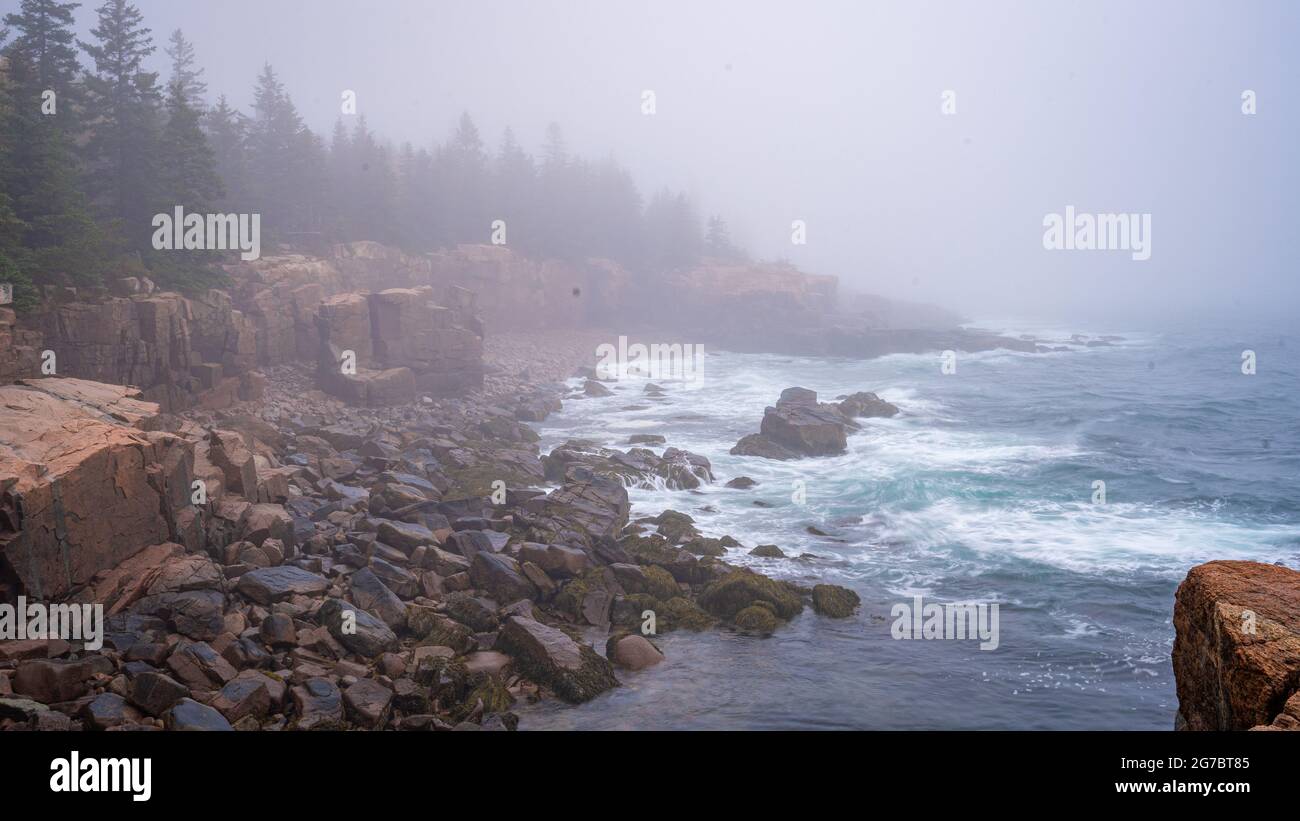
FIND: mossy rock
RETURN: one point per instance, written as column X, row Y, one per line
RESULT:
column 650, row 549
column 757, row 620
column 628, row 609
column 447, row 632
column 569, row 599
column 683, row 613
column 834, row 601
column 475, row 482
column 741, row 588
column 676, row 527
column 660, row 583
column 768, row 551
column 704, row 546
column 493, row 693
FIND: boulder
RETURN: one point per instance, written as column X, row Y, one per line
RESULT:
column 82, row 487
column 359, row 632
column 188, row 714
column 267, row 585
column 1236, row 653
column 632, row 652
column 574, row 671
column 834, row 601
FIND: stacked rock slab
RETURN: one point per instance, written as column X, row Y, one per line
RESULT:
column 83, row 485
column 383, row 348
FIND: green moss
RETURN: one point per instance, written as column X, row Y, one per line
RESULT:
column 741, row 588
column 704, row 546
column 660, row 583
column 834, row 601
column 756, row 619
column 650, row 549
column 683, row 613
column 488, row 689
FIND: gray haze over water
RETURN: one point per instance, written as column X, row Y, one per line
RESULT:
column 830, row 112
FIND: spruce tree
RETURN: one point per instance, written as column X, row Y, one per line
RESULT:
column 227, row 131
column 124, row 107
column 185, row 72
column 39, row 175
column 187, row 177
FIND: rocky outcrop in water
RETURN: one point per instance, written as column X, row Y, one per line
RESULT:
column 798, row 425
column 1236, row 650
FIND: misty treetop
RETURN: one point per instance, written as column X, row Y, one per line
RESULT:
column 93, row 144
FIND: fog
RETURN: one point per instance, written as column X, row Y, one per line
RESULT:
column 831, row 113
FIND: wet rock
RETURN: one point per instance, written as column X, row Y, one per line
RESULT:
column 768, row 551
column 632, row 652
column 756, row 619
column 740, row 588
column 834, row 601
column 741, row 483
column 863, row 404
column 574, row 671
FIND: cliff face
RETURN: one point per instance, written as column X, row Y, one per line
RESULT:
column 1237, row 647
column 206, row 349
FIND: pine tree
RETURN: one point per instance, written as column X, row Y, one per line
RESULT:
column 227, row 131
column 45, row 37
column 124, row 108
column 287, row 182
column 717, row 240
column 187, row 177
column 193, row 89
column 39, row 173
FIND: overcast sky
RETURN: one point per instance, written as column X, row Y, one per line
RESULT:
column 830, row 112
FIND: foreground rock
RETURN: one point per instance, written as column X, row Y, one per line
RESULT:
column 83, row 487
column 1236, row 650
column 575, row 671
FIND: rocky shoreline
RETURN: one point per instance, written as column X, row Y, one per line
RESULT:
column 396, row 567
column 280, row 543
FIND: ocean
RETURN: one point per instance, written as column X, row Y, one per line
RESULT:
column 982, row 489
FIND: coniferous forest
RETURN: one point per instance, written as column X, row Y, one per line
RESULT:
column 93, row 144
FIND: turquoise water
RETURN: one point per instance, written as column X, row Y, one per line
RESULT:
column 980, row 490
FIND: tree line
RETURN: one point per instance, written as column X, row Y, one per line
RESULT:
column 93, row 145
